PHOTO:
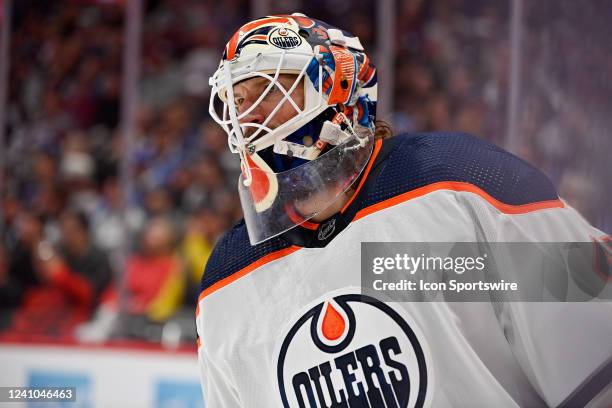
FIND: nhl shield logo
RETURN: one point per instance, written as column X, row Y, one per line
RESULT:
column 352, row 350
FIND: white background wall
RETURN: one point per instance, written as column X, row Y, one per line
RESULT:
column 115, row 378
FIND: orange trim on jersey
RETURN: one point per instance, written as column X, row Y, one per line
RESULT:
column 198, row 342
column 419, row 192
column 377, row 147
column 244, row 271
column 459, row 186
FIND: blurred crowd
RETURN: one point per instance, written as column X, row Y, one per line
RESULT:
column 66, row 242
column 74, row 265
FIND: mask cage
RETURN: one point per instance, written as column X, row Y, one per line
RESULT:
column 267, row 65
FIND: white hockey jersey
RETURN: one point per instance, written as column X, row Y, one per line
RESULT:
column 282, row 324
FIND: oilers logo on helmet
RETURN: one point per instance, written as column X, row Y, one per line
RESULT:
column 284, row 38
column 353, row 350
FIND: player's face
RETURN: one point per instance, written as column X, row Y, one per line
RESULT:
column 247, row 92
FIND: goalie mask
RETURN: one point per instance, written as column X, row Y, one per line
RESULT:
column 294, row 169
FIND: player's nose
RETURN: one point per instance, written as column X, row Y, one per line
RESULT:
column 254, row 116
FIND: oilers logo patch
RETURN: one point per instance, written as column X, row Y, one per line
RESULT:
column 284, row 38
column 351, row 350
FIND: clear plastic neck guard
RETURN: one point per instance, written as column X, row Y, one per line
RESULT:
column 303, row 192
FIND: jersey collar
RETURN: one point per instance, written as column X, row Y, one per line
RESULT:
column 318, row 235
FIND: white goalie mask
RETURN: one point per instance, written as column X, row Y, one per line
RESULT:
column 294, row 170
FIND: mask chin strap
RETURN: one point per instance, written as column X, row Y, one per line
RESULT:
column 332, row 133
column 248, row 177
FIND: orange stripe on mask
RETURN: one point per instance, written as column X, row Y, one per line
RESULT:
column 233, row 42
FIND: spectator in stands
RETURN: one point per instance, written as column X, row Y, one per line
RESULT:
column 195, row 250
column 202, row 230
column 206, row 182
column 154, row 281
column 7, row 291
column 151, row 293
column 111, row 231
column 80, row 260
column 68, row 281
column 21, row 269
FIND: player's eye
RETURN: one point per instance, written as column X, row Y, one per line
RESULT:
column 238, row 102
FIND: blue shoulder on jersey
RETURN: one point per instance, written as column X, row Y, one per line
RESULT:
column 420, row 159
column 405, row 163
column 234, row 252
